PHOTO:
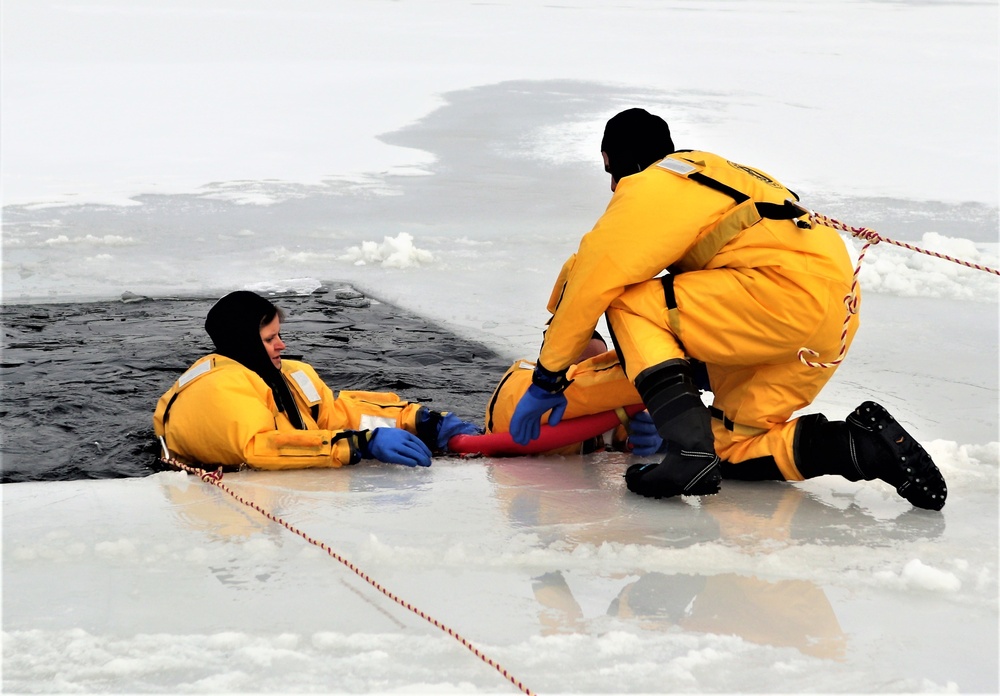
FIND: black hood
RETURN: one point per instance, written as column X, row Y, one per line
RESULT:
column 633, row 140
column 234, row 324
column 234, row 327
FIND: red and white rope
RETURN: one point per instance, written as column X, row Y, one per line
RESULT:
column 851, row 299
column 873, row 237
column 215, row 478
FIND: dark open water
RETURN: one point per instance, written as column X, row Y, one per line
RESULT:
column 80, row 381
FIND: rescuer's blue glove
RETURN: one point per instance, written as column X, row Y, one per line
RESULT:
column 642, row 435
column 451, row 425
column 526, row 424
column 397, row 446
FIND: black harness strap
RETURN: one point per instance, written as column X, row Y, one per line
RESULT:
column 783, row 211
column 166, row 411
column 668, row 290
column 737, row 196
column 770, row 211
column 614, row 342
column 717, row 413
column 493, row 401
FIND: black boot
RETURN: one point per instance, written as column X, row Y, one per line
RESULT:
column 690, row 466
column 870, row 445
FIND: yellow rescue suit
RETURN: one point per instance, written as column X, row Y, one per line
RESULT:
column 747, row 288
column 599, row 385
column 220, row 412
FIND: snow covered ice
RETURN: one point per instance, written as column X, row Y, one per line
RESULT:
column 443, row 156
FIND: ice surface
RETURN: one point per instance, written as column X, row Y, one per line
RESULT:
column 548, row 566
column 198, row 148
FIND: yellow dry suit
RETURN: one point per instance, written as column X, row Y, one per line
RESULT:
column 749, row 283
column 222, row 413
column 599, row 385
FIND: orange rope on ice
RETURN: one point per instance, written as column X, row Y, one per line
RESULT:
column 215, row 478
column 851, row 299
column 873, row 237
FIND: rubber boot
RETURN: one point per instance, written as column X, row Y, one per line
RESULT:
column 690, row 466
column 869, row 445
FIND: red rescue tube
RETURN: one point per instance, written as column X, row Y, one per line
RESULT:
column 551, row 437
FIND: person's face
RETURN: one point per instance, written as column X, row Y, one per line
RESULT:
column 607, row 168
column 270, row 334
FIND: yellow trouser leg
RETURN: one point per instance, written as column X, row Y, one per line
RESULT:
column 641, row 326
column 598, row 385
column 747, row 326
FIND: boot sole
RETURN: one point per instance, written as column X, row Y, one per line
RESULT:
column 924, row 486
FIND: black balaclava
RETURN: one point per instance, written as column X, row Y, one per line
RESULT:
column 633, row 140
column 234, row 324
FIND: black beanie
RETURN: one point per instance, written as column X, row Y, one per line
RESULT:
column 633, row 140
column 233, row 324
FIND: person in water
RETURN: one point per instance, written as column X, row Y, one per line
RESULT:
column 246, row 405
column 751, row 283
column 598, row 385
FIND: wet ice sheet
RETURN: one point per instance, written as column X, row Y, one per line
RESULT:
column 548, row 565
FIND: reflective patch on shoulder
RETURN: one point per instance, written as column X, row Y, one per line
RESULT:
column 307, row 387
column 677, row 166
column 370, row 422
column 526, row 365
column 193, row 373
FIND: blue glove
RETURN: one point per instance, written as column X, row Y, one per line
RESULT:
column 397, row 446
column 451, row 425
column 526, row 424
column 642, row 435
